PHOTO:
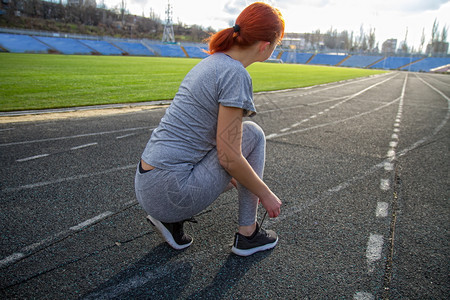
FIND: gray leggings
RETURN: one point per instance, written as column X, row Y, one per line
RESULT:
column 172, row 196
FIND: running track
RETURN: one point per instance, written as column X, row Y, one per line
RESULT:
column 361, row 167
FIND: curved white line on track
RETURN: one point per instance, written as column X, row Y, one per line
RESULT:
column 345, row 98
column 32, row 157
column 73, row 136
column 66, row 179
column 6, row 129
column 28, row 250
column 83, row 146
column 276, row 135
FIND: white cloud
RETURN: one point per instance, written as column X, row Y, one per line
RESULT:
column 390, row 18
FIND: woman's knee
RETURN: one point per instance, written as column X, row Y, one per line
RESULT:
column 252, row 129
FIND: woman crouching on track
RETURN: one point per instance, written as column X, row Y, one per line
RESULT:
column 202, row 145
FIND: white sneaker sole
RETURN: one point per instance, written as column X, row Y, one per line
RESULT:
column 247, row 252
column 167, row 235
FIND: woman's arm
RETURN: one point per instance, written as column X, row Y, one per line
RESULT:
column 229, row 151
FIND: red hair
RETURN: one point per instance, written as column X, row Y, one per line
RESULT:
column 257, row 22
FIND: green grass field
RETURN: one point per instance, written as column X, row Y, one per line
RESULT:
column 39, row 81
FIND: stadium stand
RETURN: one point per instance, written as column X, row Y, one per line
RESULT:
column 37, row 42
column 295, row 58
column 394, row 62
column 22, row 44
column 168, row 50
column 327, row 59
column 102, row 47
column 65, row 45
column 427, row 64
column 196, row 52
column 360, row 61
column 133, row 48
column 275, row 54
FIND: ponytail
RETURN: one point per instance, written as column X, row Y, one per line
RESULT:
column 257, row 22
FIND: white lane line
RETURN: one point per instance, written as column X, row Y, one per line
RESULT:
column 382, row 210
column 301, row 105
column 327, row 86
column 66, row 179
column 11, row 259
column 24, row 252
column 324, row 196
column 28, row 250
column 275, row 135
column 435, row 89
column 363, row 296
column 388, row 166
column 43, row 242
column 391, row 153
column 83, row 146
column 6, row 129
column 91, row 221
column 47, row 154
column 385, row 184
column 130, row 202
column 75, row 136
column 126, row 135
column 32, row 157
column 315, row 103
column 346, row 98
column 436, row 130
column 373, row 252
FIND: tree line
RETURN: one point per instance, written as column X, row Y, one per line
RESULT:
column 86, row 18
column 365, row 42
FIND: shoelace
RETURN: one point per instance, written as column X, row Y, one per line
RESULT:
column 260, row 226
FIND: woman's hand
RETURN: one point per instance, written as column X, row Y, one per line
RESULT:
column 272, row 204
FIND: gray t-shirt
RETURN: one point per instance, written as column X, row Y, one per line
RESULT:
column 187, row 132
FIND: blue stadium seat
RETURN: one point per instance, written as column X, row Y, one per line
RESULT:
column 275, row 54
column 169, row 50
column 65, row 45
column 394, row 62
column 134, row 48
column 360, row 61
column 327, row 59
column 428, row 63
column 197, row 52
column 295, row 58
column 102, row 47
column 22, row 44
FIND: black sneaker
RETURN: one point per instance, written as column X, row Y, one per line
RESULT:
column 260, row 240
column 173, row 233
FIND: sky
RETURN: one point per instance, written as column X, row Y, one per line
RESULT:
column 389, row 18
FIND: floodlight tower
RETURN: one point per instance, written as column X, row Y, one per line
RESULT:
column 168, row 35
